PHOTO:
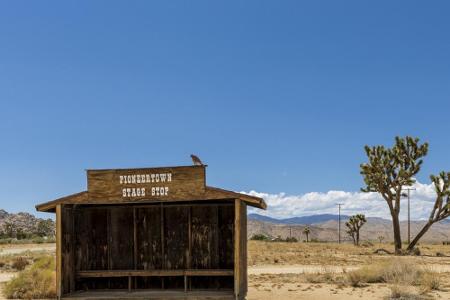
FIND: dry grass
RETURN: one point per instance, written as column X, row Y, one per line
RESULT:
column 400, row 293
column 18, row 262
column 267, row 253
column 397, row 272
column 37, row 282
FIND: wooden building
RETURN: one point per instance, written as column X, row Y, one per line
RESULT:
column 151, row 233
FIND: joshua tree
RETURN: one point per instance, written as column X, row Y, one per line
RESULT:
column 388, row 170
column 306, row 231
column 354, row 226
column 380, row 238
column 441, row 209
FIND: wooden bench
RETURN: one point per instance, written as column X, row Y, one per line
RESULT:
column 154, row 273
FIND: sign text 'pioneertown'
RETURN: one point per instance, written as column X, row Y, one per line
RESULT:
column 159, row 178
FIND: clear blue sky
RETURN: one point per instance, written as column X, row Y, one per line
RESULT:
column 276, row 96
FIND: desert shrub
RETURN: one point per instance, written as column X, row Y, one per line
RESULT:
column 430, row 281
column 37, row 282
column 396, row 272
column 364, row 275
column 19, row 263
column 259, row 237
column 367, row 244
column 400, row 293
column 291, row 240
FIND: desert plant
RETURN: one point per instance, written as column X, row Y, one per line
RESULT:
column 388, row 170
column 441, row 209
column 19, row 263
column 259, row 237
column 37, row 282
column 306, row 231
column 354, row 225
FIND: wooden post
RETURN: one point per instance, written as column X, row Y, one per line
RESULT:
column 189, row 260
column 135, row 245
column 58, row 251
column 162, row 244
column 237, row 239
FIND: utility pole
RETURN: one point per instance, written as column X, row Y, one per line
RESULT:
column 409, row 213
column 339, row 222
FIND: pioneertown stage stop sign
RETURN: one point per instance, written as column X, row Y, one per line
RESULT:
column 142, row 179
column 146, row 184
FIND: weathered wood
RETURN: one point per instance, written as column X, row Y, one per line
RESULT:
column 67, row 257
column 243, row 252
column 210, row 193
column 58, row 251
column 143, row 273
column 121, row 238
column 205, row 252
column 126, row 185
column 126, row 273
column 159, row 295
column 237, row 246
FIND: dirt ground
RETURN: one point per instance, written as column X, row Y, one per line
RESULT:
column 289, row 270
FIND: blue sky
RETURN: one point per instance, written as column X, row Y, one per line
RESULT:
column 274, row 96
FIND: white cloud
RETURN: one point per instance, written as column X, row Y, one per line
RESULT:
column 371, row 204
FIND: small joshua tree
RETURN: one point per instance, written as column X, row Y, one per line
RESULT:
column 354, row 226
column 380, row 238
column 306, row 231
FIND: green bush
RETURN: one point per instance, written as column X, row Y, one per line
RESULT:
column 291, row 240
column 259, row 237
column 37, row 282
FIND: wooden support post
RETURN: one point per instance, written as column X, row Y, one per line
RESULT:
column 135, row 246
column 129, row 284
column 237, row 239
column 189, row 261
column 72, row 250
column 185, row 283
column 162, row 244
column 58, row 251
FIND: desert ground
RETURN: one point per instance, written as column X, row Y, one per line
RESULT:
column 280, row 270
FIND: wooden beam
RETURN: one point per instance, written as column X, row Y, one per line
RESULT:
column 237, row 239
column 58, row 251
column 154, row 273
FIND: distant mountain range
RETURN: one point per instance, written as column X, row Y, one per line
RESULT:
column 306, row 220
column 324, row 228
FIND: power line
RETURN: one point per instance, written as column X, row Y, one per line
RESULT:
column 339, row 222
column 409, row 212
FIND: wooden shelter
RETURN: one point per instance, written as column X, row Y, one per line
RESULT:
column 153, row 233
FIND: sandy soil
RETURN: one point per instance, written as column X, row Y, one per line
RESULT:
column 17, row 249
column 315, row 291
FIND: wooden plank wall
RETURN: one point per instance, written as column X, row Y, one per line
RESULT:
column 149, row 244
column 152, row 237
